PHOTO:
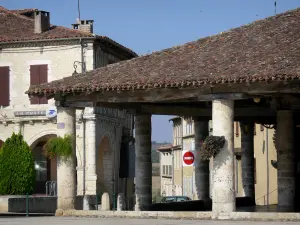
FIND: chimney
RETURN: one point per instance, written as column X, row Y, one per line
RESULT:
column 84, row 26
column 41, row 21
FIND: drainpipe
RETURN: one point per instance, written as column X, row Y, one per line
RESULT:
column 172, row 171
column 267, row 159
column 82, row 56
column 114, row 173
column 84, row 157
column 181, row 156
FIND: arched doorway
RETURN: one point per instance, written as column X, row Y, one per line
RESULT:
column 46, row 169
column 104, row 167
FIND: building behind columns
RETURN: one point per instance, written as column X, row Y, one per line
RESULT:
column 183, row 180
column 32, row 52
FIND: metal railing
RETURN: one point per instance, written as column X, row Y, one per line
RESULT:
column 51, row 188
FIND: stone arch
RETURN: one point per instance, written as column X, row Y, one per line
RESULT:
column 33, row 140
column 46, row 169
column 104, row 165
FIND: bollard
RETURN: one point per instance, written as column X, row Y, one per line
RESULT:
column 114, row 201
column 96, row 202
column 27, row 205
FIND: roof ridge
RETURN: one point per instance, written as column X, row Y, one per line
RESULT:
column 7, row 11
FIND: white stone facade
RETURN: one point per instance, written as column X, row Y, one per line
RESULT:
column 60, row 56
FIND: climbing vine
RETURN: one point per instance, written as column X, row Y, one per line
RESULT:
column 59, row 146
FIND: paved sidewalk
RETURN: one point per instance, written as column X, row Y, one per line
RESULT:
column 106, row 221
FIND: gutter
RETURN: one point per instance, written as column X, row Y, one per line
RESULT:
column 46, row 40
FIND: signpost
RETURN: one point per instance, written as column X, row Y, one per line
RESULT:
column 51, row 112
column 188, row 158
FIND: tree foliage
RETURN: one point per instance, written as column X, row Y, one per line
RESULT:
column 17, row 172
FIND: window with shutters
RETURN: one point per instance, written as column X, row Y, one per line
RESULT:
column 38, row 75
column 4, row 86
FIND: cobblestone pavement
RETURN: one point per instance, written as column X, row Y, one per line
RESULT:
column 116, row 221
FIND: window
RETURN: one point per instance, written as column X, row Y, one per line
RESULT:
column 167, row 170
column 38, row 75
column 170, row 170
column 237, row 129
column 4, row 86
column 164, row 169
column 193, row 145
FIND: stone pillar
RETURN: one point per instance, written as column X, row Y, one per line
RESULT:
column 66, row 179
column 285, row 160
column 143, row 165
column 247, row 145
column 223, row 196
column 90, row 135
column 201, row 167
column 17, row 127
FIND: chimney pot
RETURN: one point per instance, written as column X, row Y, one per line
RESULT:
column 41, row 21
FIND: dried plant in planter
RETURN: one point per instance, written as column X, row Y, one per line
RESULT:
column 238, row 154
column 211, row 147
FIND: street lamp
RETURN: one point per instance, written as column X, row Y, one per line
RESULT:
column 75, row 65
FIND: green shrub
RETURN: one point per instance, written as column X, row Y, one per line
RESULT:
column 59, row 146
column 17, row 173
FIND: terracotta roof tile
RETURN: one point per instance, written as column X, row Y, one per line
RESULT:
column 263, row 50
column 165, row 147
column 14, row 27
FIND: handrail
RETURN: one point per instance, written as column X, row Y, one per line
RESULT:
column 266, row 194
column 52, row 186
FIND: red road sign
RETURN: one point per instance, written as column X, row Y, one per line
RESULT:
column 188, row 158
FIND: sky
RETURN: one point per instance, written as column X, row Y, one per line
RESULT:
column 146, row 26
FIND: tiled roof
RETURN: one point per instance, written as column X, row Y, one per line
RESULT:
column 264, row 50
column 165, row 147
column 14, row 27
column 23, row 11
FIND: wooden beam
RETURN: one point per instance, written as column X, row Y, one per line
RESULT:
column 201, row 93
column 180, row 109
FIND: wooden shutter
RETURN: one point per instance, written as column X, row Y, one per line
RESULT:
column 38, row 75
column 34, row 79
column 4, row 86
column 43, row 75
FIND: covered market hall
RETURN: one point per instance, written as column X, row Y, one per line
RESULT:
column 249, row 74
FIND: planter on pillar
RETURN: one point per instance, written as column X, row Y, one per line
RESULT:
column 247, row 146
column 223, row 196
column 285, row 160
column 143, row 164
column 201, row 167
column 66, row 182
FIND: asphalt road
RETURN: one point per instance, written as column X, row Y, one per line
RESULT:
column 105, row 221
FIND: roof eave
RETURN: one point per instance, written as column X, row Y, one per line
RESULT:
column 47, row 40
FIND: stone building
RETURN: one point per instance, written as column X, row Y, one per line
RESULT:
column 265, row 181
column 249, row 74
column 166, row 169
column 33, row 52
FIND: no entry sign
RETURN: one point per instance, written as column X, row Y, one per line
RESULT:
column 188, row 158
